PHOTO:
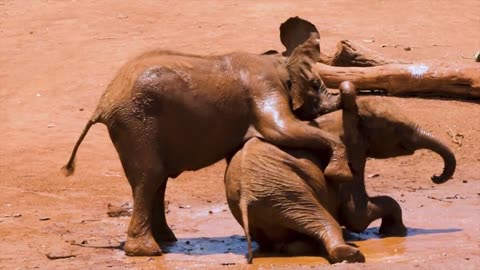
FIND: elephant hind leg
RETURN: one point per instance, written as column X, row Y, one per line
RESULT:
column 146, row 174
column 160, row 229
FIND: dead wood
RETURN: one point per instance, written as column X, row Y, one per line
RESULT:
column 369, row 70
column 445, row 79
column 350, row 54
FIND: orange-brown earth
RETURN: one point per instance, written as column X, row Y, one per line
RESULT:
column 56, row 57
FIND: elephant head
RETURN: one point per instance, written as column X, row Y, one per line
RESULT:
column 304, row 84
column 389, row 133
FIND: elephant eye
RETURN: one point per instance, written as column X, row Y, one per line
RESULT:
column 316, row 85
column 289, row 84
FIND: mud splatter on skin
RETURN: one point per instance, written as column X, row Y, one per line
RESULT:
column 417, row 71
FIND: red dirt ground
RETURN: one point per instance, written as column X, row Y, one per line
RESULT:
column 56, row 57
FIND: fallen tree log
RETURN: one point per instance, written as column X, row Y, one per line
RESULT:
column 451, row 80
column 369, row 70
column 349, row 54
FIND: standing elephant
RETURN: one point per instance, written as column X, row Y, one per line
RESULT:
column 280, row 195
column 168, row 112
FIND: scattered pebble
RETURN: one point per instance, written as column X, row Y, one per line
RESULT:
column 44, row 218
column 38, row 95
column 228, row 263
column 210, row 212
column 61, row 254
column 51, row 125
column 112, row 174
column 81, row 109
column 407, row 49
column 124, row 210
column 464, row 181
column 368, row 40
column 184, row 206
column 373, row 175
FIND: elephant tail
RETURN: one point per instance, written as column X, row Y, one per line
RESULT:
column 244, row 211
column 70, row 167
column 428, row 141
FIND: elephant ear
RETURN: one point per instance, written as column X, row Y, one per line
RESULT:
column 294, row 32
column 299, row 67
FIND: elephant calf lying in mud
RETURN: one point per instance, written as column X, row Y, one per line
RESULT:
column 280, row 196
column 169, row 112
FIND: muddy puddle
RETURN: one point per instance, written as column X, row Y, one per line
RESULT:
column 226, row 243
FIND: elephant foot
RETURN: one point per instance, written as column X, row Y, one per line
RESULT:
column 393, row 229
column 164, row 235
column 346, row 253
column 338, row 171
column 142, row 246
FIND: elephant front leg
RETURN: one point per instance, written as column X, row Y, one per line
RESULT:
column 390, row 212
column 357, row 215
column 280, row 127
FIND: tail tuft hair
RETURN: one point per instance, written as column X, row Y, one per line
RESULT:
column 68, row 169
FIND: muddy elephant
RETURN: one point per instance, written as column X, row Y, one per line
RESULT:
column 168, row 112
column 283, row 197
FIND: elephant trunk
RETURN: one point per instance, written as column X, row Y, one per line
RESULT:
column 328, row 102
column 428, row 141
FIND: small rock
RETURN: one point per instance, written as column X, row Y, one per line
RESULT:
column 373, row 175
column 464, row 181
column 210, row 212
column 81, row 109
column 60, row 254
column 368, row 40
column 228, row 263
column 188, row 242
column 16, row 215
column 444, row 254
column 112, row 174
column 407, row 49
column 38, row 95
column 44, row 218
column 51, row 125
column 477, row 56
column 122, row 16
column 31, row 32
column 124, row 210
column 184, row 206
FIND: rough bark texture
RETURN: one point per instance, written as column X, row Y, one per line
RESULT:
column 452, row 80
column 350, row 54
column 369, row 70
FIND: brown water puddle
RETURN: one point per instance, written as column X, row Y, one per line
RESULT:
column 226, row 245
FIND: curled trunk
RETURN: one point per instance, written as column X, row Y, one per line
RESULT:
column 328, row 102
column 428, row 141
